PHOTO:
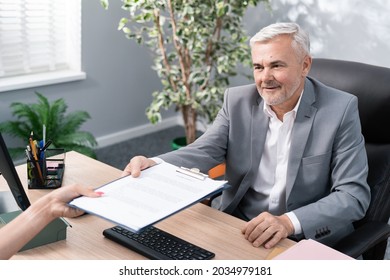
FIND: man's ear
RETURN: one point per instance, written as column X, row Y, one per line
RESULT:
column 306, row 65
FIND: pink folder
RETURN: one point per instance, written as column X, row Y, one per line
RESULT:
column 309, row 249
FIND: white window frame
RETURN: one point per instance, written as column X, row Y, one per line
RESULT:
column 72, row 70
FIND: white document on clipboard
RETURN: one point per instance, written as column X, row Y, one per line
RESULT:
column 160, row 191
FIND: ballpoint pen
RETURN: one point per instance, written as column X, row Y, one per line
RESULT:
column 28, row 154
column 32, row 170
column 47, row 144
column 36, row 160
column 44, row 134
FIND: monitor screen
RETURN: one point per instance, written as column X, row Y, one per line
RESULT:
column 8, row 171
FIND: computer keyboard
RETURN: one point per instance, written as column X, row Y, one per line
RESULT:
column 157, row 244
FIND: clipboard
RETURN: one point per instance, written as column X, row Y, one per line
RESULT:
column 161, row 191
column 193, row 172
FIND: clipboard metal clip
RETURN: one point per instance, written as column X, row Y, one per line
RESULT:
column 193, row 172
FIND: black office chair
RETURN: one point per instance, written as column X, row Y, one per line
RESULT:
column 371, row 84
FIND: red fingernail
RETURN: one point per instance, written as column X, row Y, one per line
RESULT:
column 100, row 193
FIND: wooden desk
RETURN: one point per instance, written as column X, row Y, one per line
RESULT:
column 200, row 224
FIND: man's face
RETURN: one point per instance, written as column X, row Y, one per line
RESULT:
column 279, row 72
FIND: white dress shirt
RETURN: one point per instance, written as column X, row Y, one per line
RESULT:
column 271, row 178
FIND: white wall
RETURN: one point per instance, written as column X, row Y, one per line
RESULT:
column 357, row 30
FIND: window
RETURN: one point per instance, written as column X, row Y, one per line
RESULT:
column 40, row 42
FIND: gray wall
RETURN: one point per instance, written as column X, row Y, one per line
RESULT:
column 120, row 79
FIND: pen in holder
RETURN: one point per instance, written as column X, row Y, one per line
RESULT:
column 47, row 172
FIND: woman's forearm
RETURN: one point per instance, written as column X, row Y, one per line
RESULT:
column 24, row 227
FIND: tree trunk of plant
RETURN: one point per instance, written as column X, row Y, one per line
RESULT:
column 189, row 117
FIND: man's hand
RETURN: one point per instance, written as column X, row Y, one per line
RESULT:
column 267, row 229
column 137, row 164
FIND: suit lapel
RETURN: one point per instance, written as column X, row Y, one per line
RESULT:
column 301, row 130
column 259, row 127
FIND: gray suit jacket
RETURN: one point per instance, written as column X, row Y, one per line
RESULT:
column 327, row 170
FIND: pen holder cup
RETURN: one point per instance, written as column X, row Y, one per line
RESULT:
column 48, row 171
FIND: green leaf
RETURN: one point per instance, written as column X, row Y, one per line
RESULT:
column 126, row 30
column 104, row 3
column 122, row 23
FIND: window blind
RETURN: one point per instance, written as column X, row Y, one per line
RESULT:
column 38, row 36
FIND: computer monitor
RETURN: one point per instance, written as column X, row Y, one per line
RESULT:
column 8, row 171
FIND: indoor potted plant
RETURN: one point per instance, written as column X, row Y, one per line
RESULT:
column 197, row 46
column 60, row 128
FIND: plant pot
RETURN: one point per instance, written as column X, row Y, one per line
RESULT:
column 178, row 143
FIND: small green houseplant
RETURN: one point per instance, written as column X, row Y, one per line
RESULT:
column 197, row 46
column 61, row 128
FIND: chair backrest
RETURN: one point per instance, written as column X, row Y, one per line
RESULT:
column 371, row 84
